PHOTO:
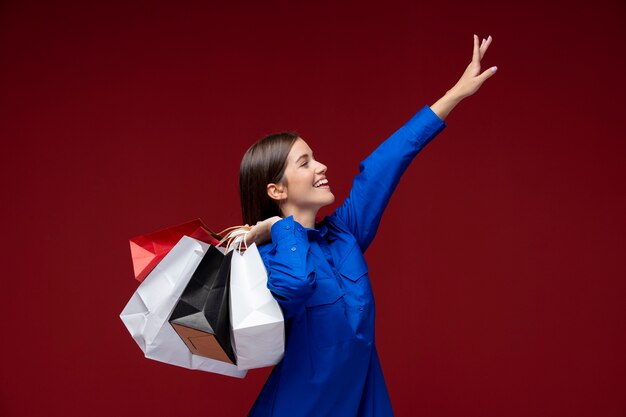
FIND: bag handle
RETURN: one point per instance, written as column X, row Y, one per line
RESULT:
column 236, row 236
column 223, row 232
column 239, row 240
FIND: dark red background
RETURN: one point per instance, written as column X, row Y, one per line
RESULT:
column 498, row 269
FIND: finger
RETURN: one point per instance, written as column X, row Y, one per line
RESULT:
column 476, row 55
column 489, row 72
column 485, row 45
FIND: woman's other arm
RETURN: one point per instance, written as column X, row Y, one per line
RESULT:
column 290, row 270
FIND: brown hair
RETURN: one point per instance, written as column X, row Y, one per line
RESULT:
column 262, row 164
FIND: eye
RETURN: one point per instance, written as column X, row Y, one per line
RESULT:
column 305, row 164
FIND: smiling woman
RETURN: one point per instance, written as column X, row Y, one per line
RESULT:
column 262, row 164
column 279, row 175
column 305, row 188
column 317, row 272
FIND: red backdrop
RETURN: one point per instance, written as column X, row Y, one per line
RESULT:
column 497, row 273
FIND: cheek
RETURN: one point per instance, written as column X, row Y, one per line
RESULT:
column 298, row 179
column 304, row 180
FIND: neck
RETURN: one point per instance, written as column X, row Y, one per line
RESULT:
column 306, row 217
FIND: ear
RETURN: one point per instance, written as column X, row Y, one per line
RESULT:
column 276, row 192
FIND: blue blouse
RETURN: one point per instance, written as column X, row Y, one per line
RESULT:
column 320, row 279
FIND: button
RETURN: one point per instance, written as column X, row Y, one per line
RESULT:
column 287, row 227
column 299, row 229
column 361, row 308
column 293, row 248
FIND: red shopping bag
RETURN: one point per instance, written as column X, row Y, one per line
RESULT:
column 148, row 250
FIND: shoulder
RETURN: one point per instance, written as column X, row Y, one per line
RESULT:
column 338, row 234
column 335, row 225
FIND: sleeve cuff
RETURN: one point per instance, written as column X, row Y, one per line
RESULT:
column 285, row 228
column 426, row 122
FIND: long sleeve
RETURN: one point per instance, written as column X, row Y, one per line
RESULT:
column 291, row 275
column 380, row 173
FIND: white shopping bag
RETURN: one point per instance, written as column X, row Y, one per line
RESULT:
column 146, row 314
column 257, row 320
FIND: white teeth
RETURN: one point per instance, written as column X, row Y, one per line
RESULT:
column 320, row 182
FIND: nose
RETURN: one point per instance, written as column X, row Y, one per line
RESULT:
column 321, row 168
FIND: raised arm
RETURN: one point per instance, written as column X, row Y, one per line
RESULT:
column 468, row 84
column 380, row 172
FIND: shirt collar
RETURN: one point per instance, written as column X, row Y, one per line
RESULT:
column 322, row 229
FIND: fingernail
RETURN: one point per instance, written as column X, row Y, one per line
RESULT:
column 494, row 69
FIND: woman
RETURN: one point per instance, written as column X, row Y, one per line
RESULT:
column 317, row 272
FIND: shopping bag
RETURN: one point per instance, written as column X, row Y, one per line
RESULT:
column 146, row 314
column 257, row 320
column 147, row 250
column 201, row 316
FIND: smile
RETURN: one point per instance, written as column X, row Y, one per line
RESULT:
column 321, row 184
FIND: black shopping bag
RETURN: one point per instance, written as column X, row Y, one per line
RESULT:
column 201, row 316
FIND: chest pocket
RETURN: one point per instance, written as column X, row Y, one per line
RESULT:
column 354, row 266
column 327, row 322
column 356, row 281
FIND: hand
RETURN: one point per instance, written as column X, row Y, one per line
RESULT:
column 472, row 79
column 261, row 232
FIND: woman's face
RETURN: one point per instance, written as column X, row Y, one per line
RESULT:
column 306, row 185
